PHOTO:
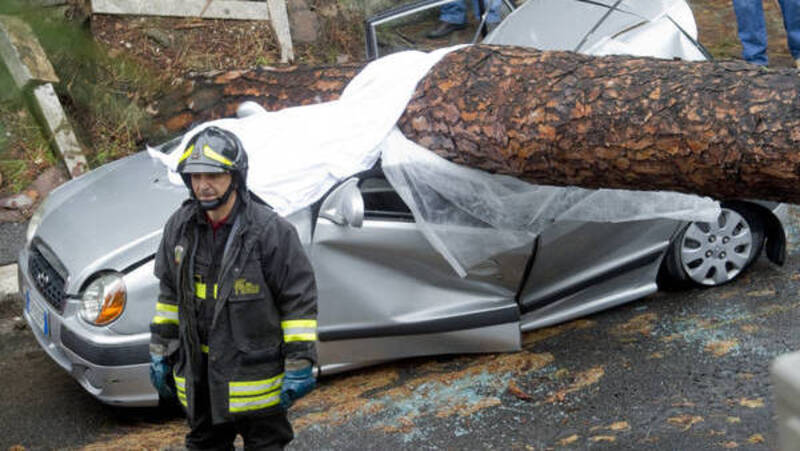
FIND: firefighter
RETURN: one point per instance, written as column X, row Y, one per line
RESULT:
column 234, row 332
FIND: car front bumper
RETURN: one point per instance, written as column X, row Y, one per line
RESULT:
column 111, row 367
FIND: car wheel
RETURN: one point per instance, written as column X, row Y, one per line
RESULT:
column 715, row 253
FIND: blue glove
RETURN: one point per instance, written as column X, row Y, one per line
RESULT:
column 298, row 381
column 161, row 376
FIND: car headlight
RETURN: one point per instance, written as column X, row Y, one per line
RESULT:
column 104, row 299
column 33, row 224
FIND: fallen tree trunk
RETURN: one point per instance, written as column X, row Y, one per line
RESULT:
column 720, row 129
column 211, row 95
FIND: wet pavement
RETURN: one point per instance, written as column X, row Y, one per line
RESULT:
column 41, row 406
column 12, row 238
column 674, row 371
column 679, row 370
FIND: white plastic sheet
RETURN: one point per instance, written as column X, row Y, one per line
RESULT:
column 297, row 154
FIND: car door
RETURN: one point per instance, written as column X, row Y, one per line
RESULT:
column 385, row 293
column 585, row 267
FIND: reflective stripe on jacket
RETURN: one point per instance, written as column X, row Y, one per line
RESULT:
column 265, row 311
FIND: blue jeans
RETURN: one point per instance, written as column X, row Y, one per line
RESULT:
column 753, row 30
column 456, row 12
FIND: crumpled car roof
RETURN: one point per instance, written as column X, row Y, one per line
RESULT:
column 658, row 28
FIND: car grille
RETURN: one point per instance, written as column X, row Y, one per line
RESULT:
column 47, row 280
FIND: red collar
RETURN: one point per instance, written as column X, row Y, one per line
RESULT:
column 215, row 225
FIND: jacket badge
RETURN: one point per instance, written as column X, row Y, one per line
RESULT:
column 242, row 286
column 179, row 251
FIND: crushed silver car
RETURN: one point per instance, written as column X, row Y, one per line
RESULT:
column 385, row 292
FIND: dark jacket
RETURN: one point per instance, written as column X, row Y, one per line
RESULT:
column 265, row 311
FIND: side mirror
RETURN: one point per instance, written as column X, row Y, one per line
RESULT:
column 249, row 108
column 344, row 206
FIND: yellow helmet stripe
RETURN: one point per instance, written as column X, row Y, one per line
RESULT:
column 186, row 154
column 209, row 152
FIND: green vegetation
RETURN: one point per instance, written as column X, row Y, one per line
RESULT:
column 113, row 73
column 99, row 91
column 23, row 148
column 24, row 151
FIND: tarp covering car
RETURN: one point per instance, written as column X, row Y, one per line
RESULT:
column 298, row 154
column 469, row 215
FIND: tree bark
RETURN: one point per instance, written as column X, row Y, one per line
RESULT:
column 727, row 130
column 205, row 96
column 722, row 129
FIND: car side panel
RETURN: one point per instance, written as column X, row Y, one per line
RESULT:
column 579, row 264
column 384, row 283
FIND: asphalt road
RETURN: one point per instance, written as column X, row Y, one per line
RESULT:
column 681, row 370
column 674, row 371
column 41, row 406
column 12, row 238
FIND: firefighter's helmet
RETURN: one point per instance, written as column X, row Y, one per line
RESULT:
column 214, row 150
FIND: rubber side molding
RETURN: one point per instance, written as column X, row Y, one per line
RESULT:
column 472, row 320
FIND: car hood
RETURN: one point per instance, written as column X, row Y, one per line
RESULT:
column 110, row 218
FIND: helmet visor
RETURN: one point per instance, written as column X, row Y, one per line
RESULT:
column 198, row 167
column 201, row 157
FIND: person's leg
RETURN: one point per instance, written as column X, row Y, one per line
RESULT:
column 203, row 434
column 492, row 5
column 452, row 17
column 455, row 13
column 271, row 432
column 752, row 30
column 791, row 21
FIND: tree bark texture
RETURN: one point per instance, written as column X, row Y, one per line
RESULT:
column 727, row 130
column 212, row 95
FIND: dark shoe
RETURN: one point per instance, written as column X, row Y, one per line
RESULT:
column 444, row 29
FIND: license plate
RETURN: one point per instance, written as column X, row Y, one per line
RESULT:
column 37, row 313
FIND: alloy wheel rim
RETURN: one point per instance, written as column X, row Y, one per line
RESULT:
column 713, row 253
